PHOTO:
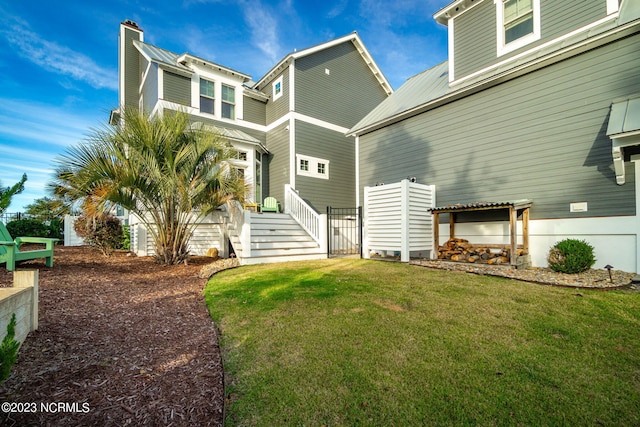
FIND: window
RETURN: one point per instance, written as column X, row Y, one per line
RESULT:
column 228, row 102
column 312, row 166
column 518, row 23
column 207, row 96
column 277, row 88
column 518, row 19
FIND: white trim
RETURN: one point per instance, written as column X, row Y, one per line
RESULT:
column 292, row 150
column 451, row 43
column 612, row 6
column 538, row 48
column 357, row 157
column 292, row 126
column 313, row 163
column 502, row 47
column 275, row 83
column 292, row 87
column 636, row 161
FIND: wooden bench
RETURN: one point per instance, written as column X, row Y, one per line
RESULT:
column 10, row 249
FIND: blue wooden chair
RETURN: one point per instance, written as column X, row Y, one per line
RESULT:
column 270, row 204
column 10, row 249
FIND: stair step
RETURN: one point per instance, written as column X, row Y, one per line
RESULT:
column 285, row 252
column 280, row 237
column 293, row 246
column 273, row 259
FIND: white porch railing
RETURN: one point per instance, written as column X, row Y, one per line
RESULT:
column 313, row 223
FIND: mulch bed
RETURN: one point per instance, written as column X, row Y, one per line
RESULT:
column 590, row 279
column 129, row 338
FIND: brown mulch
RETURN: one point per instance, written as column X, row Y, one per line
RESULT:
column 129, row 338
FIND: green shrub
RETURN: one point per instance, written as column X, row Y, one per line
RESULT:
column 101, row 231
column 126, row 242
column 27, row 228
column 571, row 256
column 56, row 229
column 8, row 350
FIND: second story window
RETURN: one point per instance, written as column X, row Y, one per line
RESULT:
column 518, row 24
column 207, row 96
column 518, row 19
column 277, row 88
column 228, row 102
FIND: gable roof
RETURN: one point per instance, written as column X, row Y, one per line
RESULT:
column 432, row 88
column 357, row 42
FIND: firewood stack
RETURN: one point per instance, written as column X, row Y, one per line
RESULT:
column 463, row 251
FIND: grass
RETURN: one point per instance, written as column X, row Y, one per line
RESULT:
column 354, row 342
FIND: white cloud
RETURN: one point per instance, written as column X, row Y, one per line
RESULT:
column 263, row 26
column 54, row 57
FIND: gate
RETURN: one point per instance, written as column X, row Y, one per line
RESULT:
column 344, row 226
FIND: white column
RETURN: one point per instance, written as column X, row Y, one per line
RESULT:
column 636, row 161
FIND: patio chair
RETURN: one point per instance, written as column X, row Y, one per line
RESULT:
column 270, row 204
column 10, row 249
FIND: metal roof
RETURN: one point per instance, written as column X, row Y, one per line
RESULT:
column 156, row 54
column 416, row 91
column 518, row 204
column 231, row 134
column 624, row 117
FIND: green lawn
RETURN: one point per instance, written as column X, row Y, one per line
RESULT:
column 355, row 342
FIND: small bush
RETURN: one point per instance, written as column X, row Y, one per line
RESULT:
column 8, row 350
column 56, row 229
column 126, row 241
column 100, row 231
column 571, row 256
column 27, row 228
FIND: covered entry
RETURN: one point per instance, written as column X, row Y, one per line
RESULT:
column 344, row 235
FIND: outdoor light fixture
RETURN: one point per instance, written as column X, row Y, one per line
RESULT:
column 608, row 268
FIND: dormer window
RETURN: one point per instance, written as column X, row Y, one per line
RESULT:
column 518, row 19
column 518, row 24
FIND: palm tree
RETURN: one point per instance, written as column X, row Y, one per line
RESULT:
column 166, row 172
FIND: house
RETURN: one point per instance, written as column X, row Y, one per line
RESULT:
column 539, row 101
column 289, row 126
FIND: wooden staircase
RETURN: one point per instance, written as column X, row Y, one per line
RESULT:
column 272, row 237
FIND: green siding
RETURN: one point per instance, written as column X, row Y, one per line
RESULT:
column 131, row 69
column 254, row 111
column 475, row 39
column 541, row 136
column 177, row 88
column 280, row 107
column 278, row 162
column 339, row 189
column 344, row 96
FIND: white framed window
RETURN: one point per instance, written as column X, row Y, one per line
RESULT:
column 312, row 166
column 277, row 88
column 207, row 96
column 518, row 24
column 228, row 102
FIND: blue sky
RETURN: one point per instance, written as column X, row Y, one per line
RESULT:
column 58, row 59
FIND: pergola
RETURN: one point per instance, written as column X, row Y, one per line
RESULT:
column 513, row 208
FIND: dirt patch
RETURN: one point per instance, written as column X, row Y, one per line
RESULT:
column 121, row 341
